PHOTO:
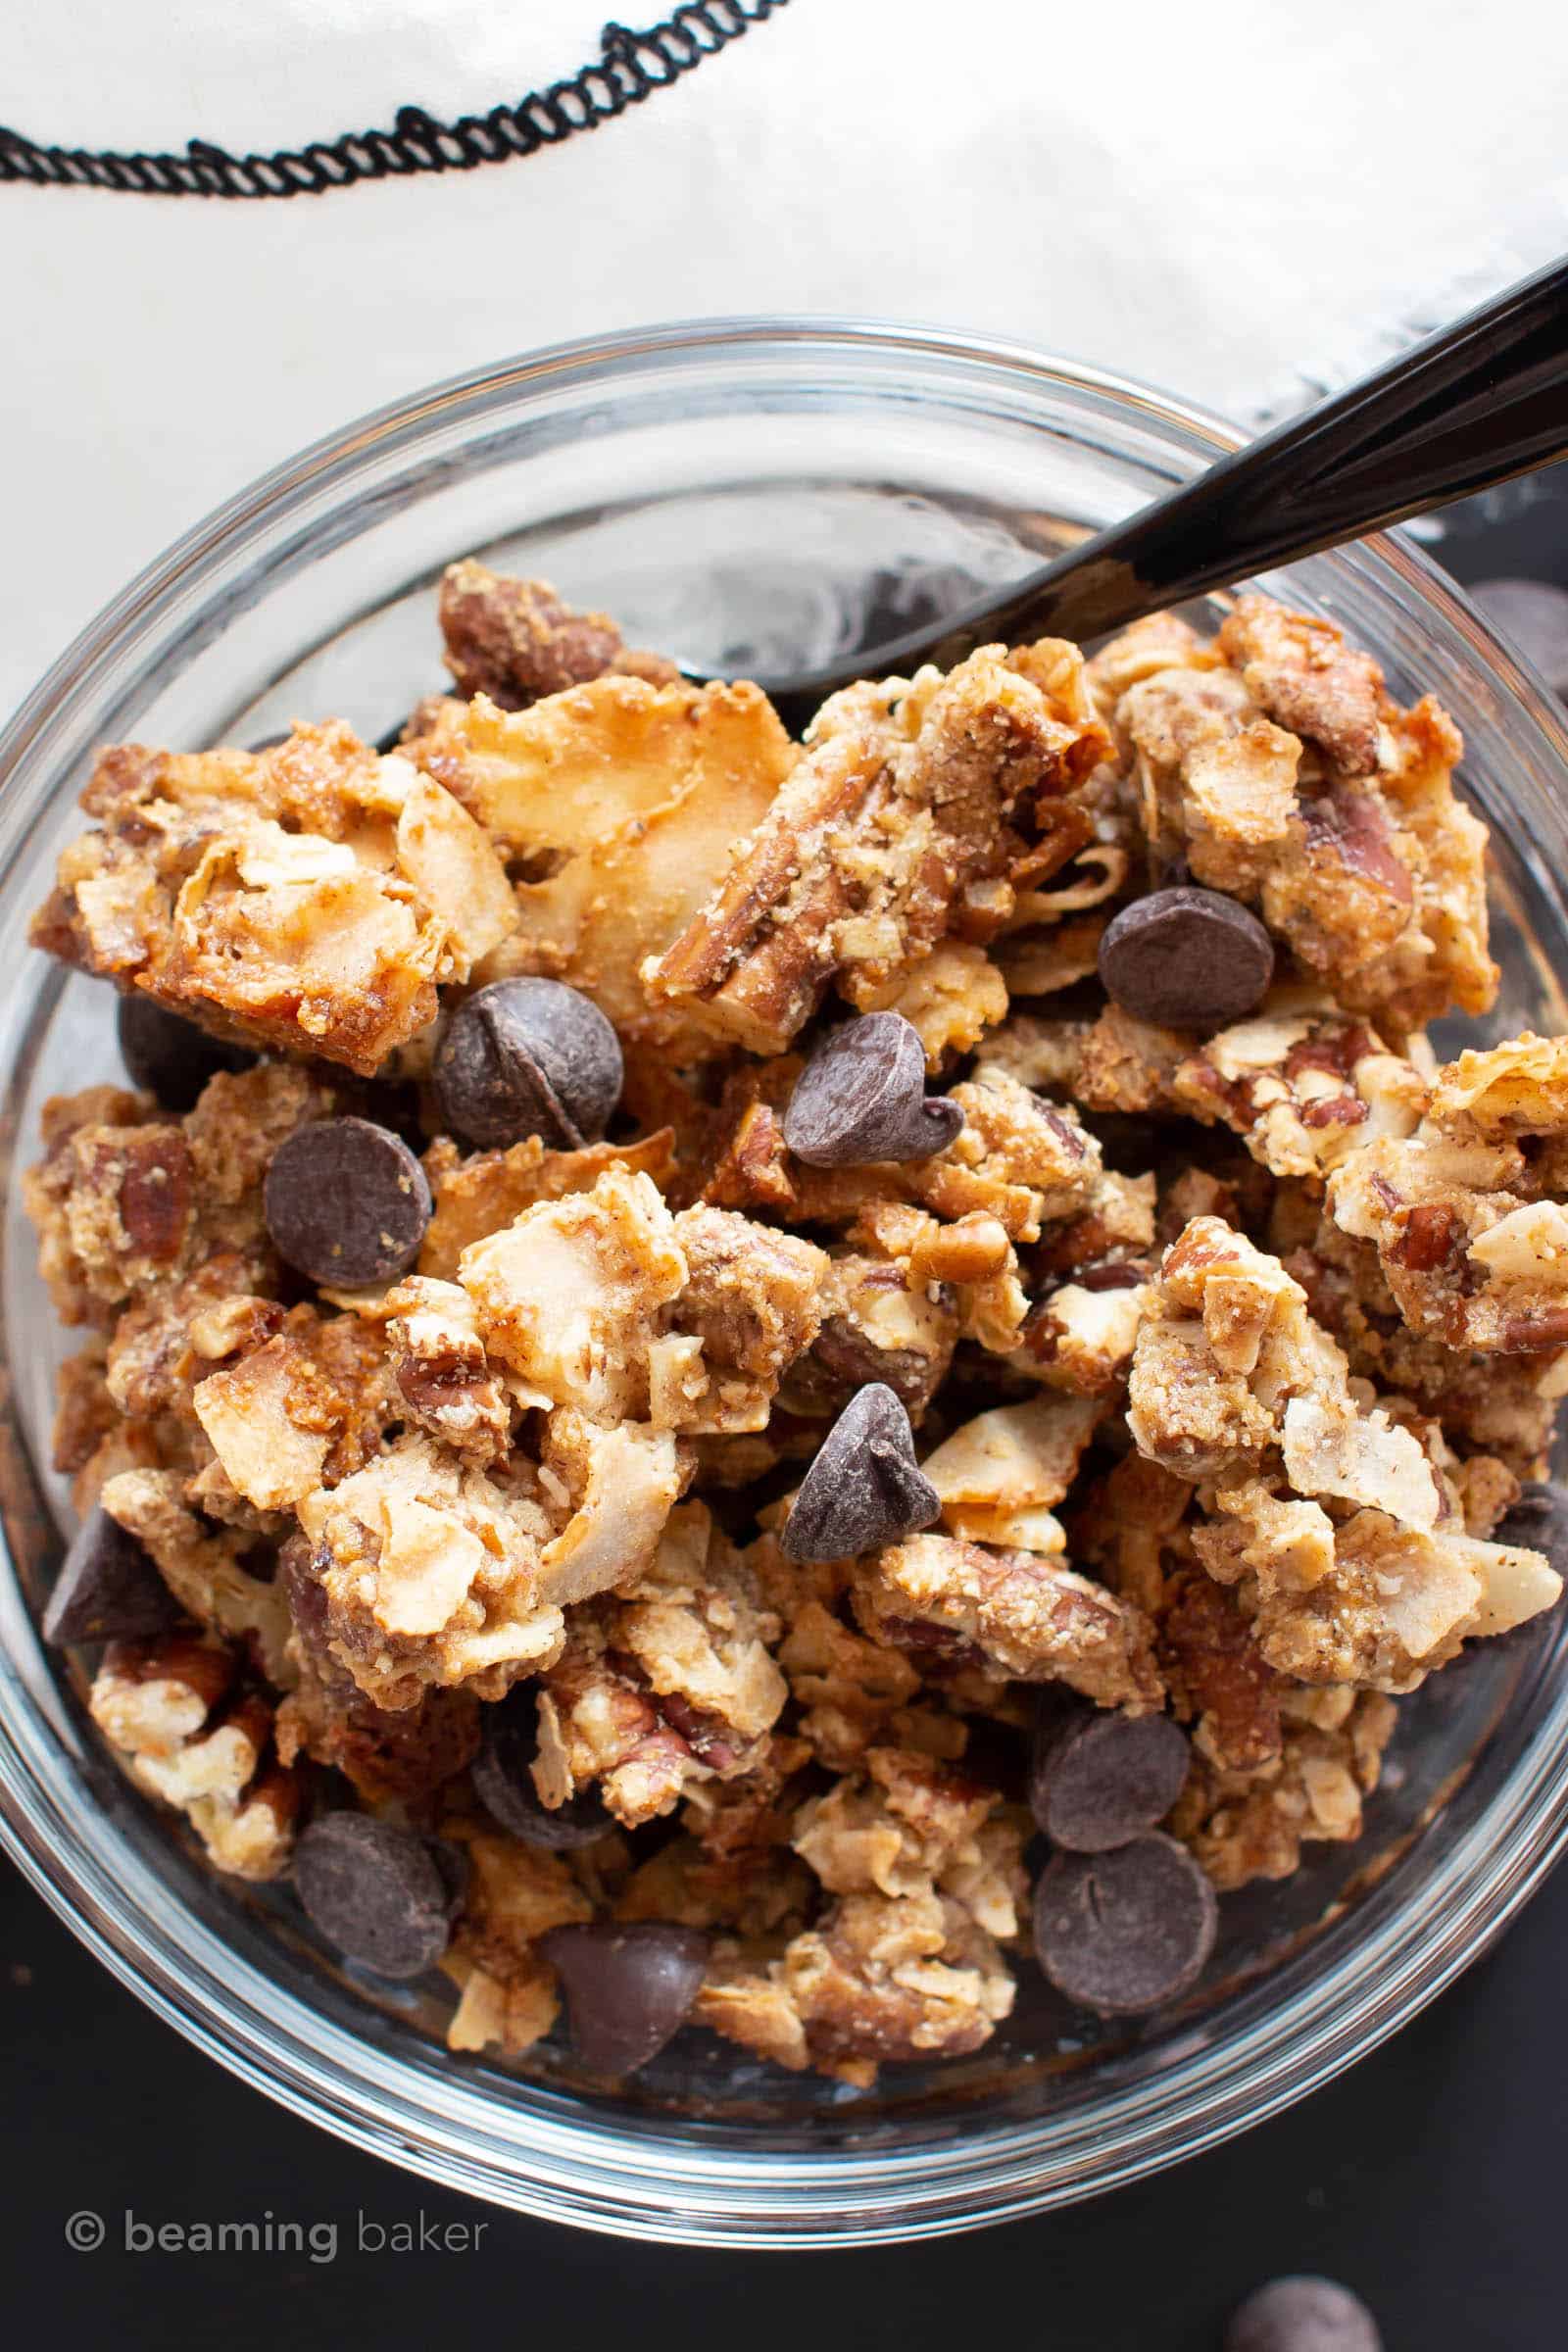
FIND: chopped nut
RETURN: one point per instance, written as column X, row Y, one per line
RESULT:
column 1022, row 1615
column 898, row 827
column 444, row 1374
column 515, row 641
column 160, row 1706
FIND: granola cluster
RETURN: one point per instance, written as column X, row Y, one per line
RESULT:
column 574, row 1551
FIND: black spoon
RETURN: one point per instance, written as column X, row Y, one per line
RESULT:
column 1474, row 405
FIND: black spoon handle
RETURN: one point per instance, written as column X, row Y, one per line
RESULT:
column 1483, row 400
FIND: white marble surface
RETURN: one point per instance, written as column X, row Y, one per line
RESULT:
column 1236, row 205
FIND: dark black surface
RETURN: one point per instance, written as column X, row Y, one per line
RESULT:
column 1431, row 2177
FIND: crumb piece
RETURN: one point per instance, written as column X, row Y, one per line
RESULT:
column 605, row 1301
column 515, row 1896
column 666, row 1683
column 911, row 1824
column 1473, row 1254
column 1365, row 1600
column 478, row 1194
column 999, row 1475
column 1082, row 1334
column 205, row 1568
column 1231, row 1374
column 1247, row 1824
column 1503, row 1404
column 755, row 1894
column 310, row 896
column 1306, row 1087
column 165, row 1708
column 434, row 1574
column 925, row 1867
column 127, row 1203
column 881, row 1321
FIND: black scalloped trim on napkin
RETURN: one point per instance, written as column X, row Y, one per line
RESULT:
column 631, row 66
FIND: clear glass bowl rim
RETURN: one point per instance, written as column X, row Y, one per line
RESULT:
column 646, row 2183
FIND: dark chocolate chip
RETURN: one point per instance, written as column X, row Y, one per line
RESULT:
column 376, row 1892
column 346, row 1203
column 861, row 1098
column 1185, row 959
column 528, row 1057
column 1124, row 1931
column 504, row 1783
column 864, row 1488
column 1099, row 1779
column 453, row 1868
column 173, row 1058
column 1534, row 614
column 108, row 1589
column 1539, row 1522
column 629, row 1989
column 1304, row 2315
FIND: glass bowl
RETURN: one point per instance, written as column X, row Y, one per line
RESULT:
column 741, row 492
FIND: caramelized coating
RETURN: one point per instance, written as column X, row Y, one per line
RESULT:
column 517, row 641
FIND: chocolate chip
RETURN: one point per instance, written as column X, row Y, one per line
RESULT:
column 346, row 1203
column 171, row 1059
column 505, row 1783
column 376, row 1892
column 1099, row 1779
column 1534, row 614
column 1185, row 959
column 1304, row 2315
column 528, row 1057
column 1539, row 1522
column 453, row 1868
column 629, row 1989
column 861, row 1098
column 108, row 1589
column 864, row 1488
column 1123, row 1931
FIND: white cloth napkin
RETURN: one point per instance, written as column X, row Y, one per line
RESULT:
column 1242, row 204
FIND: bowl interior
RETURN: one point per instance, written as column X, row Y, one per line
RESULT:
column 732, row 517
